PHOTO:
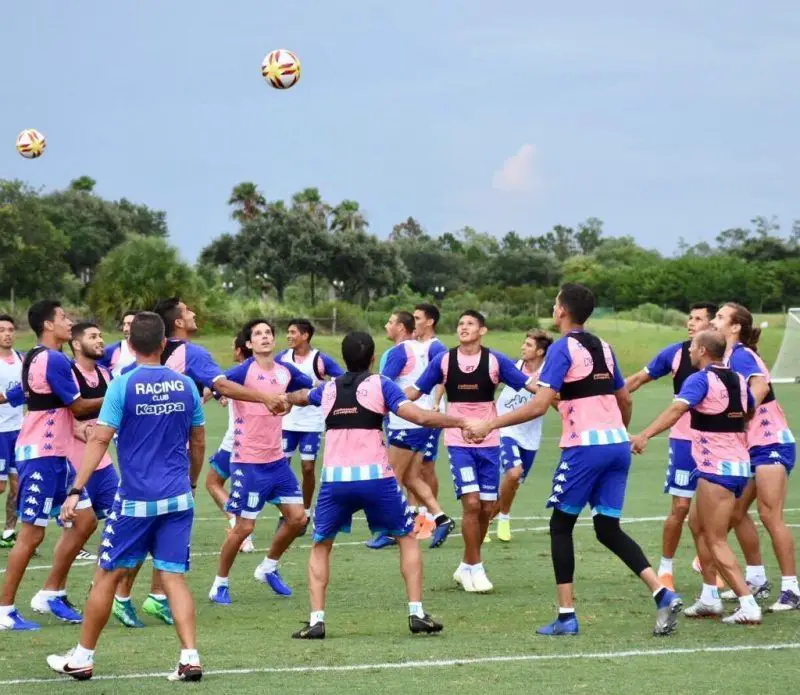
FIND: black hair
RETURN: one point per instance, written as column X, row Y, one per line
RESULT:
column 405, row 319
column 9, row 318
column 477, row 315
column 78, row 330
column 240, row 343
column 247, row 329
column 430, row 311
column 541, row 338
column 129, row 312
column 358, row 349
column 304, row 326
column 147, row 332
column 710, row 307
column 578, row 301
column 41, row 311
column 169, row 310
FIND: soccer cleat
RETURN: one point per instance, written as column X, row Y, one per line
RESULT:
column 669, row 607
column 380, row 540
column 84, row 554
column 480, row 582
column 125, row 612
column 220, row 595
column 274, row 580
column 57, row 606
column 186, row 672
column 759, row 592
column 464, row 578
column 247, row 545
column 424, row 625
column 441, row 532
column 158, row 608
column 310, row 631
column 423, row 527
column 14, row 621
column 8, row 541
column 560, row 628
column 700, row 609
column 788, row 601
column 60, row 664
column 742, row 617
column 504, row 530
column 667, row 580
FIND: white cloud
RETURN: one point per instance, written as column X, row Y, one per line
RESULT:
column 517, row 174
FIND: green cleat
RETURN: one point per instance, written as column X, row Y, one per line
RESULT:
column 8, row 539
column 125, row 612
column 158, row 608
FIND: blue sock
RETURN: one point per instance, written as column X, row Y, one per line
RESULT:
column 662, row 597
column 564, row 617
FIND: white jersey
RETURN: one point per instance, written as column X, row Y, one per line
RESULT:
column 416, row 362
column 10, row 376
column 527, row 434
column 227, row 440
column 426, row 400
column 126, row 357
column 304, row 418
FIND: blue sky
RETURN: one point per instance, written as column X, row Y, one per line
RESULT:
column 508, row 115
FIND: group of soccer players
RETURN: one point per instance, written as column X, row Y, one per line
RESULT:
column 146, row 394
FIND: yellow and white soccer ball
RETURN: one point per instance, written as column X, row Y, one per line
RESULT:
column 31, row 143
column 281, row 69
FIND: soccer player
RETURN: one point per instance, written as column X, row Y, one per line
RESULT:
column 470, row 373
column 44, row 442
column 680, row 482
column 595, row 410
column 408, row 442
column 357, row 475
column 772, row 457
column 158, row 417
column 519, row 443
column 10, row 425
column 119, row 355
column 303, row 427
column 259, row 469
column 220, row 469
column 718, row 401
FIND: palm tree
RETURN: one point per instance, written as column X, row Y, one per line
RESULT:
column 247, row 201
column 310, row 200
column 348, row 217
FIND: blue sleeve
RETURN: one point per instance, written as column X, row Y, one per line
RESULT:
column 59, row 377
column 113, row 404
column 200, row 366
column 694, row 389
column 396, row 359
column 332, row 368
column 238, row 373
column 105, row 360
column 661, row 364
column 297, row 380
column 437, row 348
column 315, row 395
column 556, row 365
column 16, row 396
column 280, row 357
column 393, row 395
column 509, row 374
column 743, row 362
column 432, row 375
column 619, row 380
column 751, row 401
column 198, row 416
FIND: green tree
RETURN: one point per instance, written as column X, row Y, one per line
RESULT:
column 347, row 215
column 247, row 201
column 588, row 236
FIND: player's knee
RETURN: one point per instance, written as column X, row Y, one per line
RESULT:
column 243, row 527
column 515, row 475
column 295, row 518
column 769, row 514
column 680, row 507
column 561, row 524
column 471, row 503
column 606, row 529
column 213, row 481
column 307, row 467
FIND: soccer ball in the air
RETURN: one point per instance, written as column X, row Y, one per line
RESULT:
column 31, row 143
column 281, row 69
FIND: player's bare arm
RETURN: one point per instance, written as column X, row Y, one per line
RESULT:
column 96, row 448
column 429, row 418
column 759, row 387
column 635, row 382
column 663, row 422
column 625, row 404
column 477, row 430
column 197, row 453
column 85, row 406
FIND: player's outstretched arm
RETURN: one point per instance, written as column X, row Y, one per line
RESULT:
column 197, row 453
column 299, row 398
column 477, row 430
column 635, row 382
column 625, row 405
column 429, row 418
column 663, row 422
column 759, row 387
column 230, row 389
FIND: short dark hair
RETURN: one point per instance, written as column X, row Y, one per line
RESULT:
column 9, row 318
column 169, row 311
column 147, row 332
column 578, row 300
column 247, row 329
column 304, row 326
column 41, row 311
column 714, row 343
column 541, row 338
column 240, row 343
column 358, row 349
column 710, row 307
column 477, row 315
column 430, row 311
column 129, row 312
column 405, row 319
column 78, row 330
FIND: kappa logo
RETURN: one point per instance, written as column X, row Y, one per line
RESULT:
column 29, row 512
column 558, row 489
column 553, row 499
column 235, row 495
column 561, row 478
column 31, row 500
column 106, row 557
column 233, row 504
column 107, row 543
column 237, row 483
column 109, row 530
column 238, row 472
column 33, row 487
column 159, row 408
column 112, row 516
column 774, row 455
column 563, row 467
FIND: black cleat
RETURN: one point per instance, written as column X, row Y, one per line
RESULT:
column 424, row 625
column 310, row 632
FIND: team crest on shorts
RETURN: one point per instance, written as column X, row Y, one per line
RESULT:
column 682, row 478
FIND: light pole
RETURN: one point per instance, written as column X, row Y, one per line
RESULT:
column 439, row 292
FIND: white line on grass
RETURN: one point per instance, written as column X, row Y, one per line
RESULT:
column 440, row 663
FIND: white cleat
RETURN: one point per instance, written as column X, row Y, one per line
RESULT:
column 60, row 664
column 742, row 617
column 700, row 609
column 39, row 604
column 480, row 582
column 247, row 545
column 464, row 578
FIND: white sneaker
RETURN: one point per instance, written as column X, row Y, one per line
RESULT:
column 700, row 609
column 39, row 604
column 60, row 664
column 742, row 617
column 464, row 577
column 759, row 591
column 247, row 545
column 186, row 672
column 480, row 582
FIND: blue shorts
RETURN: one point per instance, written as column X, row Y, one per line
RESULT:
column 783, row 454
column 735, row 483
column 594, row 475
column 102, row 490
column 382, row 501
column 680, row 482
column 307, row 442
column 512, row 455
column 256, row 484
column 8, row 441
column 432, row 450
column 221, row 463
column 414, row 439
column 43, row 486
column 128, row 539
column 475, row 469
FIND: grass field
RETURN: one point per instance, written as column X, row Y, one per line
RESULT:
column 488, row 642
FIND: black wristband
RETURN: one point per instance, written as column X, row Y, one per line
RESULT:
column 75, row 491
column 194, row 486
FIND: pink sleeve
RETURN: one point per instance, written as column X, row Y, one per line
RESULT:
column 445, row 366
column 494, row 369
column 370, row 395
column 328, row 397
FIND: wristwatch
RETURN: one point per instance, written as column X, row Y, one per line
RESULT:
column 75, row 491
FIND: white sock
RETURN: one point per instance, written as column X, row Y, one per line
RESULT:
column 755, row 575
column 47, row 593
column 710, row 594
column 308, row 513
column 7, row 610
column 120, row 598
column 316, row 617
column 8, row 533
column 748, row 603
column 429, row 516
column 478, row 567
column 190, row 656
column 159, row 597
column 415, row 608
column 665, row 566
column 269, row 565
column 562, row 610
column 503, row 517
column 464, row 566
column 220, row 581
column 81, row 656
column 790, row 584
column 412, row 509
column 232, row 521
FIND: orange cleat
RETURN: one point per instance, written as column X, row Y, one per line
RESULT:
column 667, row 581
